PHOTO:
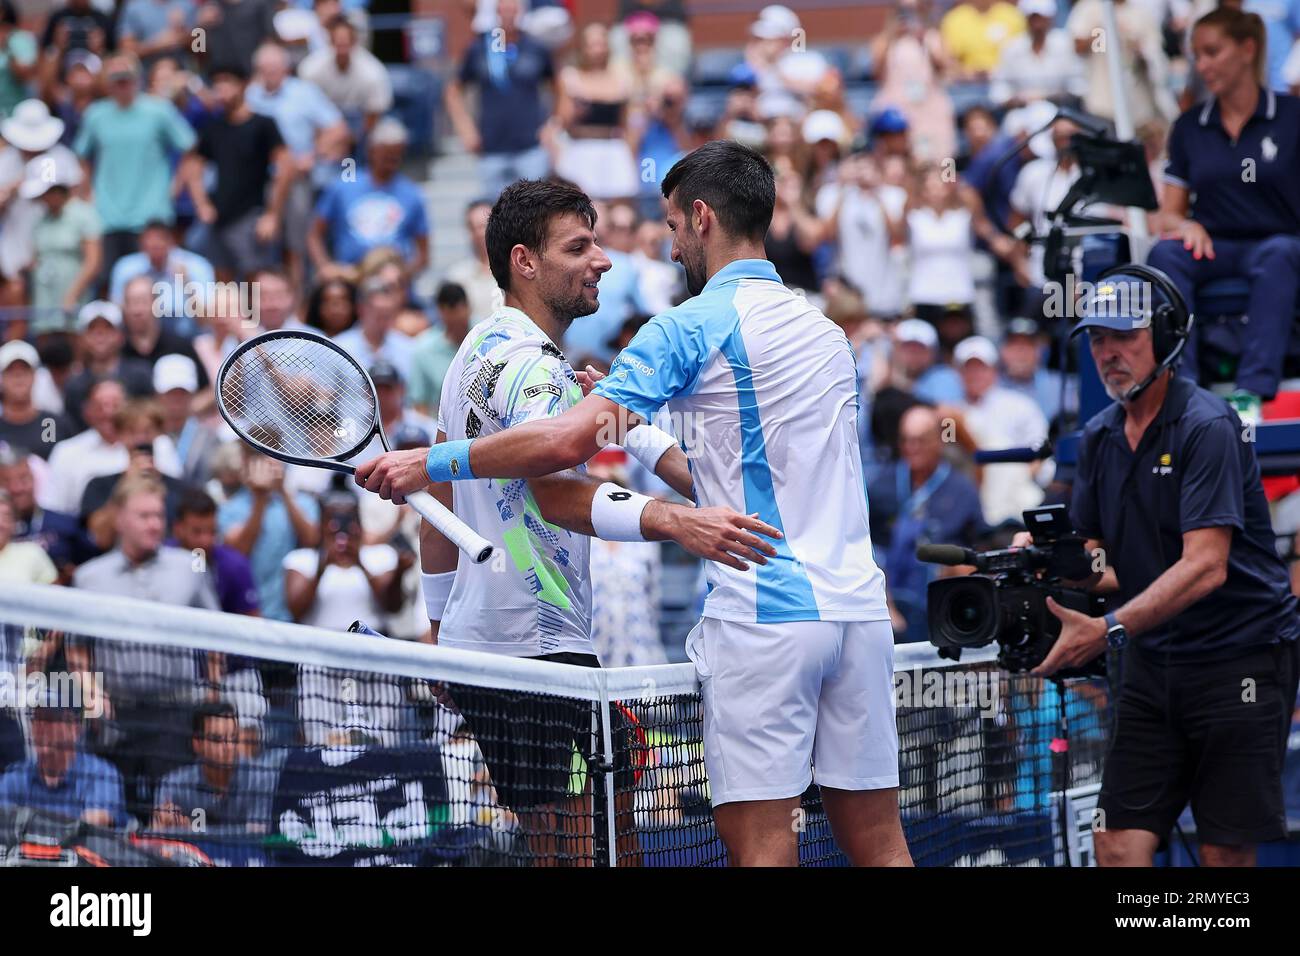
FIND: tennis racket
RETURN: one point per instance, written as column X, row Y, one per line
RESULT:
column 298, row 397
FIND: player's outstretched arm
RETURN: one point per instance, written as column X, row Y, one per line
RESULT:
column 527, row 450
column 603, row 509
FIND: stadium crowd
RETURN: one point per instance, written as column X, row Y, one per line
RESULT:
column 180, row 175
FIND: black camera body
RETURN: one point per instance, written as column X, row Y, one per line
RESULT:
column 1006, row 599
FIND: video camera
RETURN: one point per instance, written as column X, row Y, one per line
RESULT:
column 1006, row 599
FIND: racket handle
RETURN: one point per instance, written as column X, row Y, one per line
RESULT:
column 452, row 528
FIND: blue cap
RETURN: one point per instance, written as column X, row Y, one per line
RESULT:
column 1122, row 304
column 889, row 120
column 742, row 74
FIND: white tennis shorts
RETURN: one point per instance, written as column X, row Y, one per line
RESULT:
column 786, row 704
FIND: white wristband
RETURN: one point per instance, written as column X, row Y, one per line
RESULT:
column 647, row 444
column 616, row 513
column 437, row 588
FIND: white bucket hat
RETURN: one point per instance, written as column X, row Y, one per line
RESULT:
column 31, row 128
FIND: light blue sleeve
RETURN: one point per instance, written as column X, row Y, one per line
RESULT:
column 320, row 107
column 199, row 269
column 232, row 514
column 84, row 144
column 308, row 505
column 120, row 277
column 660, row 362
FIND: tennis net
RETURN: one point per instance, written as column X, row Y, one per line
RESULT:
column 141, row 732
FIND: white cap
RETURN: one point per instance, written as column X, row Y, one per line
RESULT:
column 824, row 124
column 975, row 347
column 389, row 131
column 1029, row 118
column 18, row 351
column 175, row 371
column 917, row 330
column 99, row 309
column 1043, row 8
column 775, row 22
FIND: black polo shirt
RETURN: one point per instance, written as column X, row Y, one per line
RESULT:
column 1191, row 470
column 1230, row 197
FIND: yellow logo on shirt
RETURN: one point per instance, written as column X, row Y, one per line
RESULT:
column 1164, row 465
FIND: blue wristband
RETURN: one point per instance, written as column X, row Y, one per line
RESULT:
column 449, row 461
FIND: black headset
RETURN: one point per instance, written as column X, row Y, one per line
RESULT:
column 1171, row 320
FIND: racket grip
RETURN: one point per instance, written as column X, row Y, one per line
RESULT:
column 452, row 528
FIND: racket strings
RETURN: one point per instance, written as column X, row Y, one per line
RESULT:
column 300, row 398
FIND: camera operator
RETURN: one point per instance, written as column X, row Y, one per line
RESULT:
column 1168, row 487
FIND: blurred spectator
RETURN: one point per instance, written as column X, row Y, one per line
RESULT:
column 922, row 499
column 333, row 585
column 185, row 90
column 373, row 337
column 150, row 690
column 59, row 535
column 126, row 142
column 508, row 69
column 263, row 522
column 1040, row 187
column 138, row 426
column 1142, row 55
column 72, row 97
column 620, row 288
column 625, row 579
column 243, row 147
column 66, row 249
column 662, row 139
column 225, row 323
column 433, row 351
column 591, row 111
column 350, row 75
column 61, row 778
column 645, row 76
column 864, row 217
column 22, row 423
column 277, row 301
column 314, row 130
column 741, row 119
column 375, row 207
column 333, row 306
column 986, row 144
column 910, row 66
column 18, row 59
column 176, row 383
column 146, row 339
column 1039, row 63
column 672, row 35
column 941, row 219
column 776, row 52
column 975, row 33
column 222, row 788
column 997, row 417
column 1022, row 368
column 100, row 449
column 170, row 268
column 472, row 273
column 663, row 283
column 794, row 235
column 195, row 531
column 30, row 132
column 154, row 28
column 235, row 29
column 915, row 366
column 101, row 345
column 1282, row 34
column 21, row 562
column 77, row 26
column 827, row 136
column 1216, row 220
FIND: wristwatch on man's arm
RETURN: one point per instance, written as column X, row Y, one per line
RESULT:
column 1116, row 636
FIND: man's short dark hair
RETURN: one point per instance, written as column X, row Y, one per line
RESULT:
column 195, row 501
column 211, row 710
column 153, row 224
column 522, row 215
column 341, row 21
column 733, row 180
column 450, row 294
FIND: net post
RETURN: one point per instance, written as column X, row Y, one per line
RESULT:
column 607, row 748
